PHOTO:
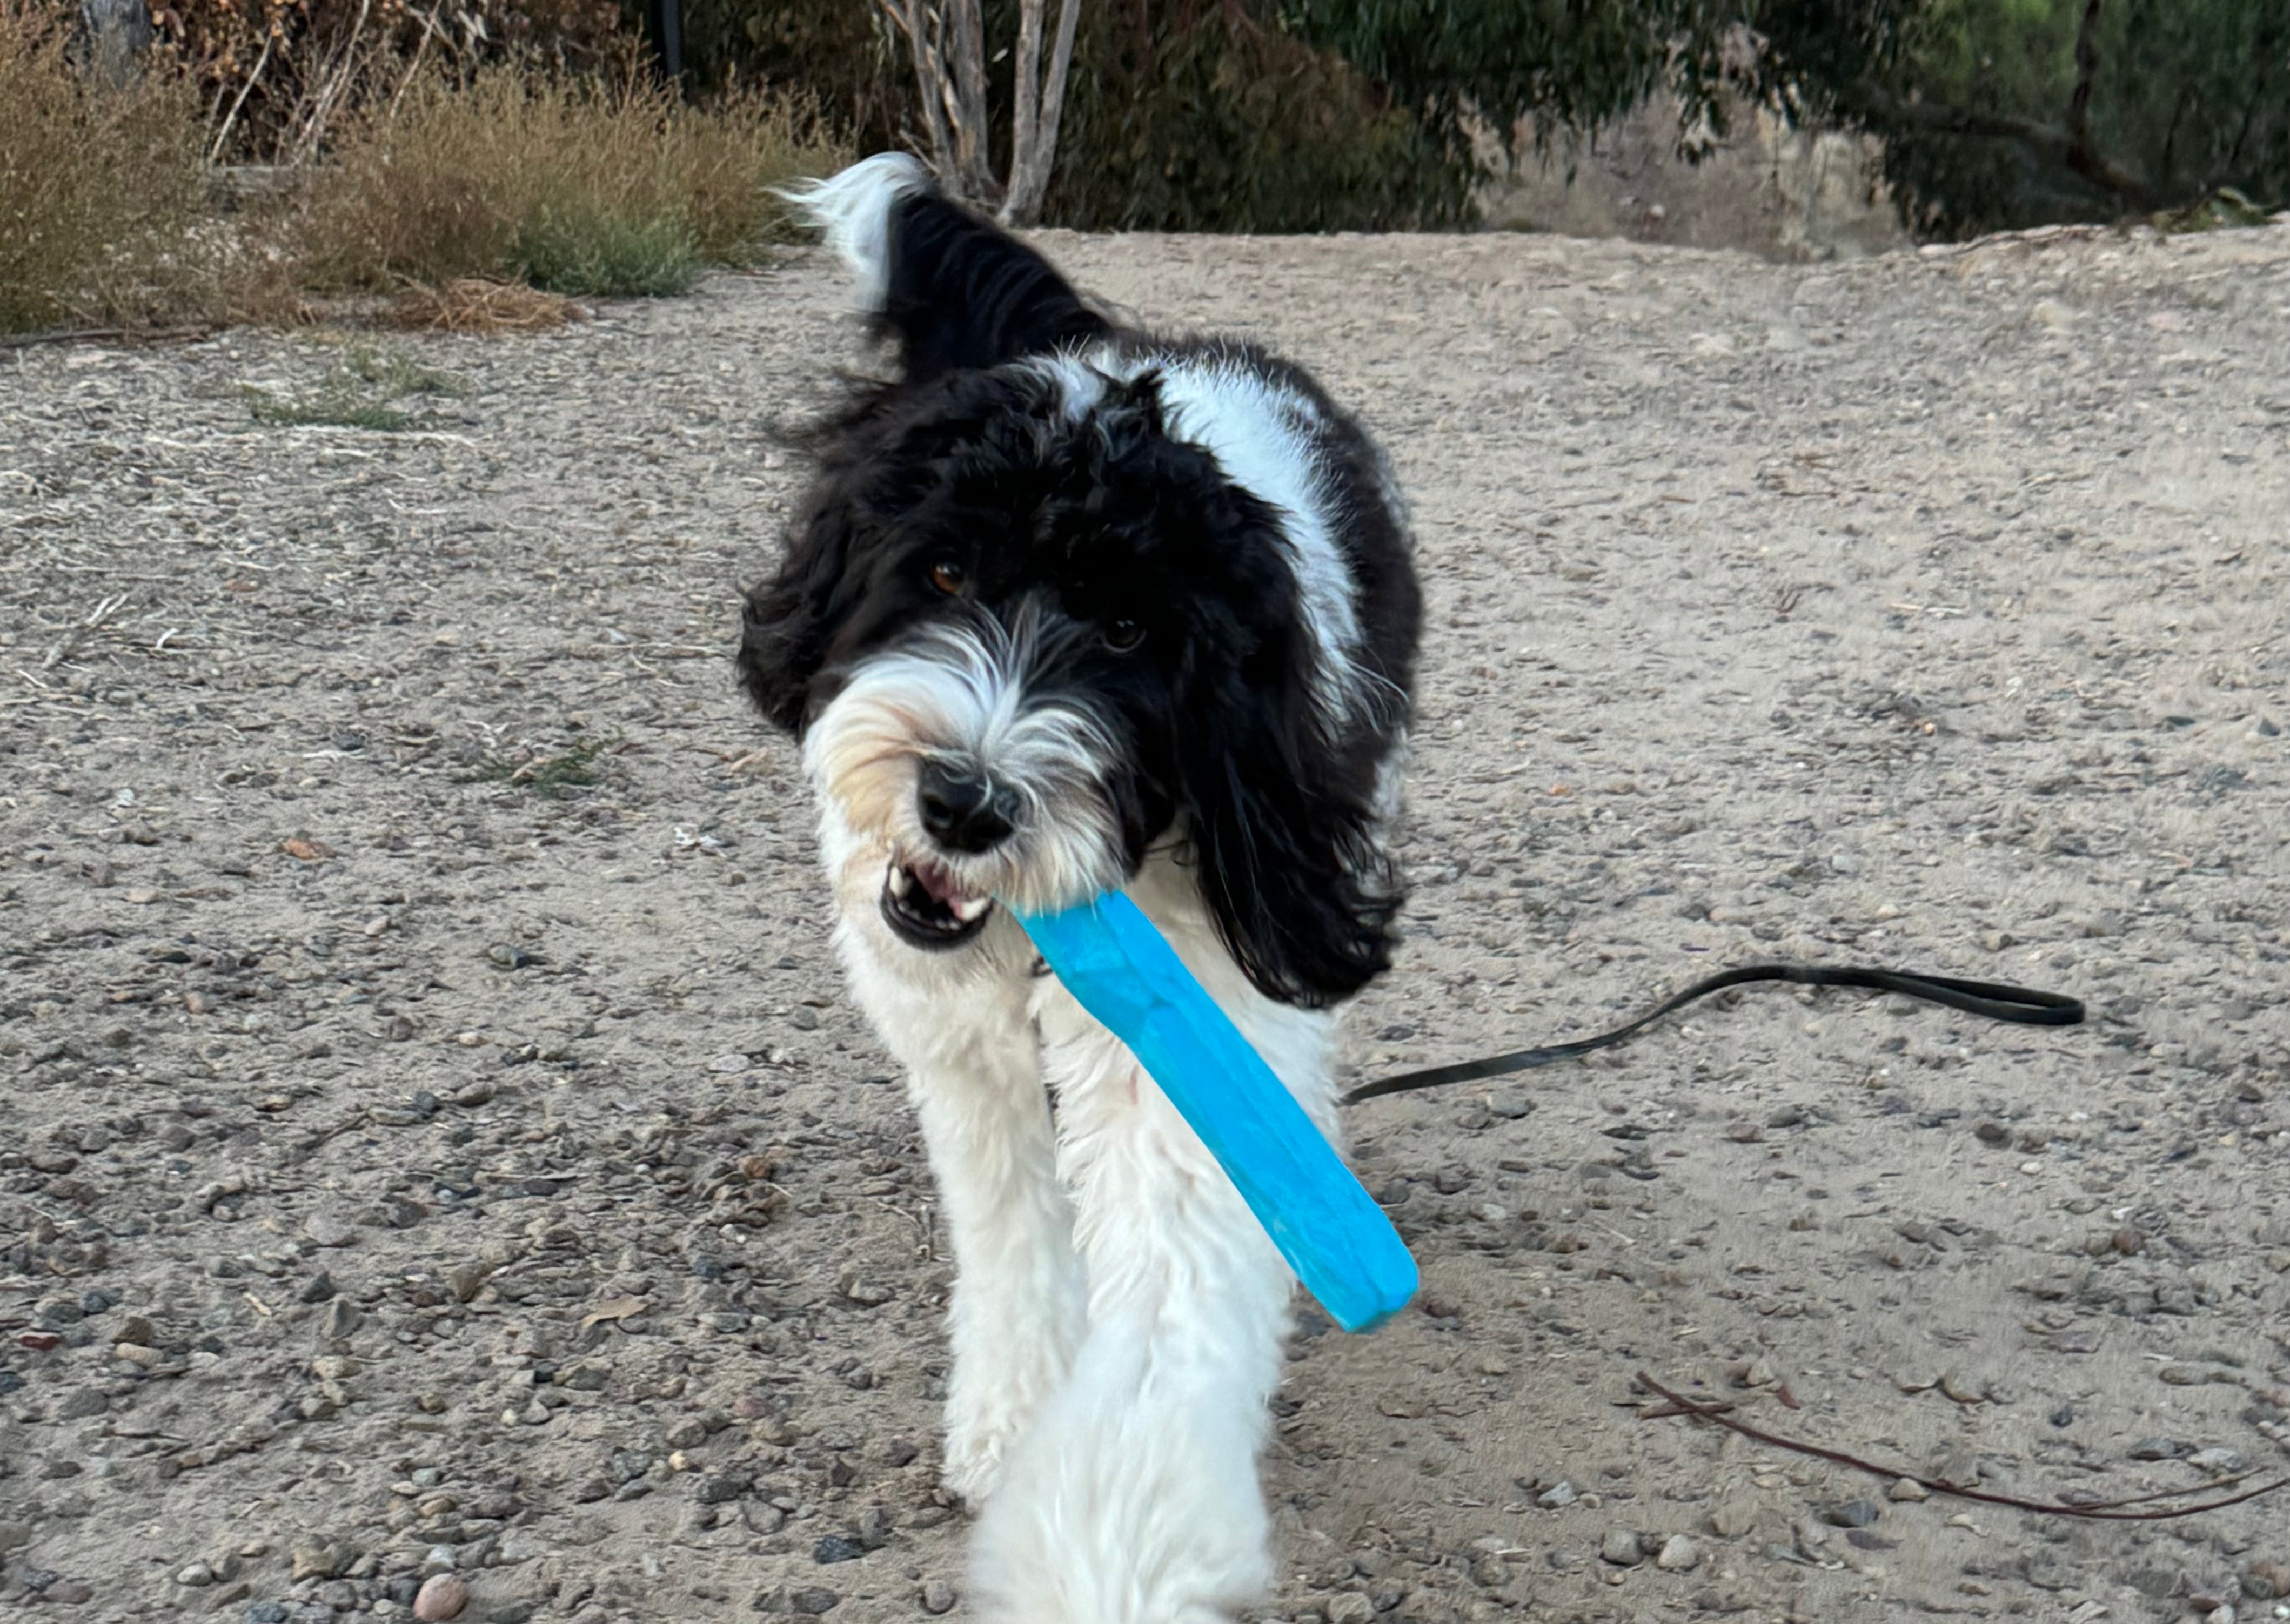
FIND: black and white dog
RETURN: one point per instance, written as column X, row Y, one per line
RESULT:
column 1071, row 607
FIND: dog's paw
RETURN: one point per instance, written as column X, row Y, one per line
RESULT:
column 975, row 1446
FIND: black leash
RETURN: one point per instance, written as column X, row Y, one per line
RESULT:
column 1993, row 999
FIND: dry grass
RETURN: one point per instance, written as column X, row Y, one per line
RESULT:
column 478, row 305
column 101, row 190
column 575, row 186
column 479, row 200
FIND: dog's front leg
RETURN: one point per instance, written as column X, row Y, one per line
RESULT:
column 974, row 1074
column 1135, row 1498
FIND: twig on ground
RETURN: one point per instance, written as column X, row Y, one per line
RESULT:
column 70, row 640
column 76, row 335
column 2103, row 1511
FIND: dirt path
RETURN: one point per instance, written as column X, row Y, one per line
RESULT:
column 412, row 1156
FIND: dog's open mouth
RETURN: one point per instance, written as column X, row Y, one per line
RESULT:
column 930, row 907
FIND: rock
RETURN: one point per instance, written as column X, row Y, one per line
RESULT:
column 322, row 1558
column 2157, row 1584
column 1853, row 1514
column 1909, row 1489
column 1621, row 1548
column 1349, row 1608
column 266, row 1612
column 1679, row 1555
column 2266, row 1581
column 84, row 1403
column 69, row 1592
column 813, row 1601
column 2159, row 1449
column 340, row 1320
column 1734, row 1518
column 1556, row 1497
column 722, row 1490
column 442, row 1596
column 876, row 1527
column 2217, row 1462
column 835, row 1548
column 466, row 1280
column 938, row 1596
column 329, row 1230
column 196, row 1574
column 321, row 1289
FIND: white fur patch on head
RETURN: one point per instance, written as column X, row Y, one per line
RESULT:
column 854, row 209
column 1261, row 436
column 963, row 692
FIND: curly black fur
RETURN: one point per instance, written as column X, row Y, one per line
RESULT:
column 1103, row 526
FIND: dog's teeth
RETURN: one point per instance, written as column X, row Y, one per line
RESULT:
column 902, row 882
column 970, row 907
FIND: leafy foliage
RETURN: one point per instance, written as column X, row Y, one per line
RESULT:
column 1467, row 66
column 1180, row 115
column 1182, row 118
column 1977, row 101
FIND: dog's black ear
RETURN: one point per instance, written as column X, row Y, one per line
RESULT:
column 1283, row 825
column 788, row 622
column 953, row 290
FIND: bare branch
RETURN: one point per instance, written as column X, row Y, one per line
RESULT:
column 1030, row 167
column 1883, row 110
column 910, row 19
column 974, row 161
column 1025, row 100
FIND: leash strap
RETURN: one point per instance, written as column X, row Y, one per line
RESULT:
column 1998, row 1002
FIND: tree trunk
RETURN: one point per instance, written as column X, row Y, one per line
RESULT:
column 118, row 33
column 1033, row 157
column 972, row 156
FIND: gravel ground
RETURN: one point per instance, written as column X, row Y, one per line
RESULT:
column 434, row 1139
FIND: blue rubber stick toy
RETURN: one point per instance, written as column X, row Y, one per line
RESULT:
column 1118, row 967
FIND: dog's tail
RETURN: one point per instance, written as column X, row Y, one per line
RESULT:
column 954, row 290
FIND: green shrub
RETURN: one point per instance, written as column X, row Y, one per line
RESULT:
column 611, row 255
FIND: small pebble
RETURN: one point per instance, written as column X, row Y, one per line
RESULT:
column 1854, row 1514
column 1621, row 1548
column 1679, row 1555
column 938, row 1596
column 1909, row 1489
column 1556, row 1497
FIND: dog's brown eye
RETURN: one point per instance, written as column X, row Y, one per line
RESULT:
column 949, row 576
column 1123, row 636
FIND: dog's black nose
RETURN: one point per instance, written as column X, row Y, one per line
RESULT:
column 961, row 808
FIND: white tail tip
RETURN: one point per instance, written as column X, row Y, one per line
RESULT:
column 854, row 210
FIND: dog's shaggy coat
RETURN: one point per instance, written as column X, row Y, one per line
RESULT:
column 1069, row 608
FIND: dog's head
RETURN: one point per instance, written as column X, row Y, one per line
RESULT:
column 1025, row 633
